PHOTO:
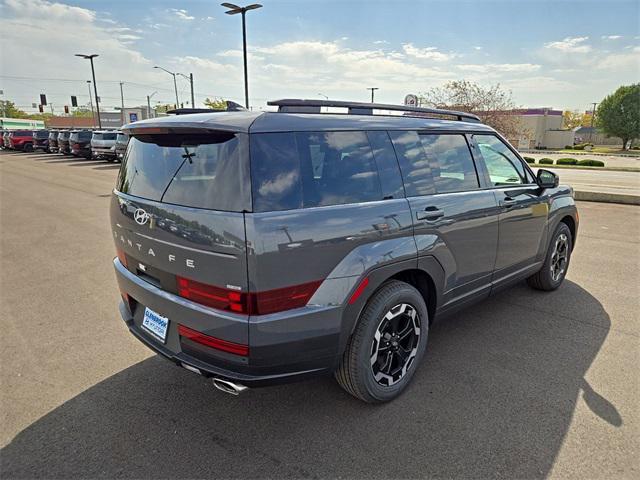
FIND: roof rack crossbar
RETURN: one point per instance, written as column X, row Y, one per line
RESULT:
column 361, row 108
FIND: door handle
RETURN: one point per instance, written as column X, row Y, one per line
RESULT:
column 508, row 202
column 430, row 214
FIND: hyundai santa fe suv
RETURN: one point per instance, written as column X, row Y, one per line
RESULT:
column 261, row 248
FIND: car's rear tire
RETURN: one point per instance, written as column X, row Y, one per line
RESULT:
column 27, row 147
column 387, row 345
column 556, row 262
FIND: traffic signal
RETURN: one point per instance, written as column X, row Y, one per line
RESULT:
column 41, row 108
column 43, row 99
column 66, row 109
column 74, row 101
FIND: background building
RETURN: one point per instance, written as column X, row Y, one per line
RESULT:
column 542, row 127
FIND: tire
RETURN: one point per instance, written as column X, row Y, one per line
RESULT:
column 355, row 374
column 554, row 269
column 27, row 148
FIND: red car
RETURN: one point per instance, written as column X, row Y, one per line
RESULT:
column 21, row 140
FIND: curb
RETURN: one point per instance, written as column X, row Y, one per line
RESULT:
column 606, row 197
column 579, row 152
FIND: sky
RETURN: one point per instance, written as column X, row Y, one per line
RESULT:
column 560, row 54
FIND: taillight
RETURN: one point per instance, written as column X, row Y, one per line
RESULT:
column 280, row 299
column 254, row 303
column 213, row 342
column 216, row 297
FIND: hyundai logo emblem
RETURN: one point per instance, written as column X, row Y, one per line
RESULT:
column 140, row 216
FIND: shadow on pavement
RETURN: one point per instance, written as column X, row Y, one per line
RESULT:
column 493, row 398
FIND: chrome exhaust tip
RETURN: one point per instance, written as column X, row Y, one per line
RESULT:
column 229, row 387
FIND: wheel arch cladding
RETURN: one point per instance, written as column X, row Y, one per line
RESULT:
column 423, row 282
column 571, row 223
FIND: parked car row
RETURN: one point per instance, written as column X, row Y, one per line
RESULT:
column 108, row 145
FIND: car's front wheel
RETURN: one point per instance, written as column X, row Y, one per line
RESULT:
column 387, row 345
column 556, row 262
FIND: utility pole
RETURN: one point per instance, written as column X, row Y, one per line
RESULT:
column 93, row 115
column 95, row 87
column 148, row 107
column 193, row 101
column 51, row 105
column 593, row 116
column 122, row 104
column 373, row 89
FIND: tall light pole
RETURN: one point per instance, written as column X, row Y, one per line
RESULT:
column 175, row 85
column 190, row 78
column 373, row 89
column 93, row 115
column 233, row 10
column 95, row 87
column 149, row 104
column 121, row 104
column 323, row 95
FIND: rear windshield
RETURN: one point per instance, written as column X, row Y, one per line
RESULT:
column 53, row 135
column 41, row 133
column 81, row 136
column 122, row 138
column 104, row 136
column 63, row 135
column 194, row 170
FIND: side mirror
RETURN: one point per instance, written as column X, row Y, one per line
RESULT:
column 547, row 179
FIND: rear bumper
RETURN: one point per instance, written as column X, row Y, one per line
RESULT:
column 285, row 347
column 103, row 152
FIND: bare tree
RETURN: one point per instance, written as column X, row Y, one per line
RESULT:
column 492, row 104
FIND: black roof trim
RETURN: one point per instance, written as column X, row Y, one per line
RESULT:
column 361, row 108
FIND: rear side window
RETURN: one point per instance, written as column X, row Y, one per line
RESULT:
column 414, row 164
column 311, row 169
column 201, row 171
column 122, row 138
column 107, row 136
column 452, row 166
column 387, row 163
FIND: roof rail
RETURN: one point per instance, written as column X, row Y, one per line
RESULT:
column 361, row 108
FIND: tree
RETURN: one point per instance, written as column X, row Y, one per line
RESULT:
column 82, row 112
column 618, row 115
column 492, row 104
column 572, row 119
column 216, row 104
column 10, row 110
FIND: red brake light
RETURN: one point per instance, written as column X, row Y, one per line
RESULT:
column 212, row 296
column 213, row 342
column 280, row 299
column 259, row 303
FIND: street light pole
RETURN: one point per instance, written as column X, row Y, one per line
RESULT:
column 175, row 85
column 233, row 10
column 190, row 78
column 95, row 87
column 93, row 115
column 121, row 104
column 373, row 89
column 149, row 104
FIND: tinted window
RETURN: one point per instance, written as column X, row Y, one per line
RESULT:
column 53, row 135
column 414, row 164
column 85, row 135
column 104, row 136
column 22, row 133
column 202, row 171
column 41, row 133
column 275, row 172
column 122, row 138
column 450, row 161
column 502, row 164
column 387, row 163
column 309, row 169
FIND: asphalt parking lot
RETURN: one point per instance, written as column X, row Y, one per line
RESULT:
column 524, row 385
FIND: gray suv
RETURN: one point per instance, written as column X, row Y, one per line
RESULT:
column 266, row 247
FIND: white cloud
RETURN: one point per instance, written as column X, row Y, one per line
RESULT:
column 611, row 37
column 477, row 48
column 500, row 67
column 181, row 14
column 428, row 53
column 380, row 42
column 570, row 45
